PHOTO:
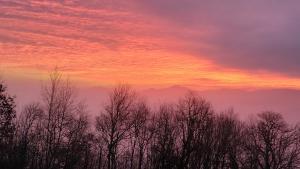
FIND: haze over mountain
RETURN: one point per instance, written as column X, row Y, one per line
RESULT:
column 245, row 103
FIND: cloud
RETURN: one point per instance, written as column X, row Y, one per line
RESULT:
column 249, row 35
column 151, row 43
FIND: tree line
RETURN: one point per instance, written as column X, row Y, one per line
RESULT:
column 56, row 133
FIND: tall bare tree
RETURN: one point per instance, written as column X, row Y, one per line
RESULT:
column 192, row 116
column 139, row 134
column 115, row 122
column 60, row 106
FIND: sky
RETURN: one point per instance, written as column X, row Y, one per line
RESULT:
column 209, row 46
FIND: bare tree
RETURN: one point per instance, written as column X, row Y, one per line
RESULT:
column 60, row 105
column 78, row 140
column 192, row 113
column 227, row 143
column 56, row 134
column 272, row 143
column 28, row 134
column 139, row 134
column 163, row 143
column 115, row 122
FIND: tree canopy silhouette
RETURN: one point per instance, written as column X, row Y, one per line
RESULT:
column 7, row 126
column 57, row 133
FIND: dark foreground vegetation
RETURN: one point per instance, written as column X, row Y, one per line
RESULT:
column 56, row 133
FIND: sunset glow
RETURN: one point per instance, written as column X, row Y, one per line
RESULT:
column 101, row 43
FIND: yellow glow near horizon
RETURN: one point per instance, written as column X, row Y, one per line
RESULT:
column 152, row 70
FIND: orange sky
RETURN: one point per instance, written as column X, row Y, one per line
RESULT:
column 109, row 43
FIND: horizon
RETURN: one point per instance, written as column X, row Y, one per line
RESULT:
column 245, row 103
